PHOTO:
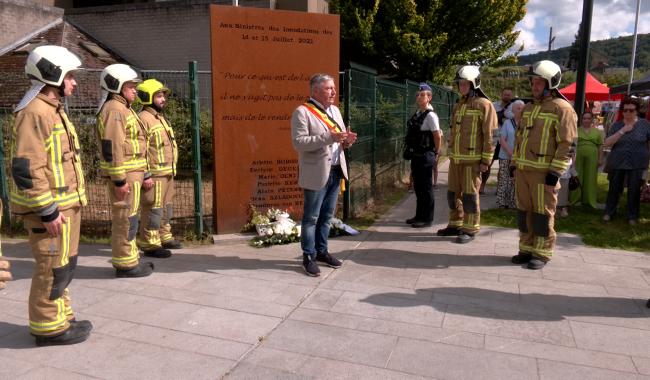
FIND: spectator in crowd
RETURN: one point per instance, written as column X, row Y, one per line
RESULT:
column 506, row 184
column 587, row 161
column 421, row 146
column 629, row 140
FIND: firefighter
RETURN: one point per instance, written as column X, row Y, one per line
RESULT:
column 157, row 209
column 48, row 193
column 470, row 152
column 5, row 266
column 540, row 157
column 122, row 141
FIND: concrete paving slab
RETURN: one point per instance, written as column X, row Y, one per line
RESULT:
column 451, row 362
column 612, row 339
column 551, row 370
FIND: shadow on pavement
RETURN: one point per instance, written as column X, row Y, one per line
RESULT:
column 494, row 304
column 17, row 336
column 425, row 260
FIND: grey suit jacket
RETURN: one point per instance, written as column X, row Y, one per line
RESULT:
column 312, row 139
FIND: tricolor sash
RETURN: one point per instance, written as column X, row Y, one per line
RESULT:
column 323, row 117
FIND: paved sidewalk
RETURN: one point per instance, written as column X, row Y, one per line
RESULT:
column 405, row 305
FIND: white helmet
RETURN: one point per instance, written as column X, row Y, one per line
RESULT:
column 548, row 70
column 49, row 64
column 470, row 73
column 114, row 76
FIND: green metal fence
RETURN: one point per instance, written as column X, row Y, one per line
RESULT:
column 375, row 108
column 378, row 110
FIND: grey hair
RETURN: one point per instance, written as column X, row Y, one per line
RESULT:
column 518, row 101
column 317, row 79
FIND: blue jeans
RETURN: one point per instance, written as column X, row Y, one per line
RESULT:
column 319, row 209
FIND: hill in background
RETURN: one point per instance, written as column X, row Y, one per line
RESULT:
column 614, row 52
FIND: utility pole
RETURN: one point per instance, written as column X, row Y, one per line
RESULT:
column 551, row 39
column 636, row 28
column 587, row 11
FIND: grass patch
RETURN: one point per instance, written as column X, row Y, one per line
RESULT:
column 587, row 223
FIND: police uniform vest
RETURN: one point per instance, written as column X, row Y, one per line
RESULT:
column 417, row 142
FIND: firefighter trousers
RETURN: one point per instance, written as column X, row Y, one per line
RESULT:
column 124, row 218
column 50, row 308
column 535, row 214
column 157, row 212
column 462, row 197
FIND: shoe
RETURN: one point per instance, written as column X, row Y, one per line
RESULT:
column 448, row 231
column 648, row 304
column 521, row 258
column 421, row 224
column 632, row 222
column 310, row 266
column 411, row 220
column 464, row 238
column 159, row 253
column 536, row 264
column 76, row 333
column 141, row 270
column 564, row 212
column 172, row 244
column 328, row 259
column 606, row 218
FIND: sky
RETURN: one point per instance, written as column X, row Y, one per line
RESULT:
column 611, row 18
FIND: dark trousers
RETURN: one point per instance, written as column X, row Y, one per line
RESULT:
column 423, row 187
column 616, row 184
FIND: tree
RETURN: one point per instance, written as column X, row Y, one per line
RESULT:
column 574, row 50
column 426, row 39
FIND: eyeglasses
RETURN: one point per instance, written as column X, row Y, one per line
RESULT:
column 629, row 110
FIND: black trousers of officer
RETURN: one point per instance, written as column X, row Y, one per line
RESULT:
column 422, row 172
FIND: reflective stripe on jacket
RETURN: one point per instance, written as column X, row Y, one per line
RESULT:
column 45, row 160
column 162, row 152
column 473, row 121
column 122, row 139
column 544, row 138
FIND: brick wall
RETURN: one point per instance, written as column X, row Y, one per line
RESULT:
column 155, row 36
column 20, row 18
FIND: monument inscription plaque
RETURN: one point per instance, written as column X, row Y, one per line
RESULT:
column 261, row 64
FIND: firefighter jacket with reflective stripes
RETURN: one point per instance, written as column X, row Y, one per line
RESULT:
column 122, row 139
column 472, row 124
column 162, row 152
column 544, row 136
column 45, row 160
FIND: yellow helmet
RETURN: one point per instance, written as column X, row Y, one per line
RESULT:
column 147, row 89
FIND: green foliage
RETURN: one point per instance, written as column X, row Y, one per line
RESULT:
column 426, row 39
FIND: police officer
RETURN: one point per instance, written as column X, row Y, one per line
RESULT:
column 49, row 193
column 421, row 146
column 470, row 152
column 122, row 139
column 5, row 266
column 540, row 157
column 157, row 209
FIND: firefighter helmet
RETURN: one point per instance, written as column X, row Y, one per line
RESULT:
column 548, row 70
column 470, row 73
column 49, row 64
column 114, row 76
column 148, row 88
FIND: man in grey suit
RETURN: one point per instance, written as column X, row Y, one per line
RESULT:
column 319, row 135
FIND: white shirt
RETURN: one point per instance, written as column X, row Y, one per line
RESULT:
column 431, row 121
column 336, row 147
